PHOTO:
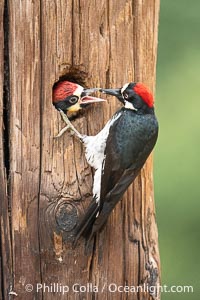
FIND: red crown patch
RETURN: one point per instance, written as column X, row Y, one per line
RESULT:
column 63, row 89
column 144, row 93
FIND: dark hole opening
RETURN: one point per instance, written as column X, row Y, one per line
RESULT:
column 73, row 75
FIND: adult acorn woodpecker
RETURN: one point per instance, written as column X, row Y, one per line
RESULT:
column 118, row 152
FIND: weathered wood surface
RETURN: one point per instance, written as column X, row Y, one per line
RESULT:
column 100, row 44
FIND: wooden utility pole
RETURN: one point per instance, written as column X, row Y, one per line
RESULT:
column 45, row 184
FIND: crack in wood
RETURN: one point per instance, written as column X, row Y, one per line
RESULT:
column 6, row 90
column 6, row 263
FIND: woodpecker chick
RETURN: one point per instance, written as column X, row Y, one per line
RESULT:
column 72, row 97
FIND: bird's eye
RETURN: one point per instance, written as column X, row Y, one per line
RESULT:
column 73, row 100
column 125, row 96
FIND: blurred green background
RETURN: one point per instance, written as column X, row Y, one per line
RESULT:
column 177, row 154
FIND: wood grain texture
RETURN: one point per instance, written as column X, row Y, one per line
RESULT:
column 100, row 44
column 24, row 139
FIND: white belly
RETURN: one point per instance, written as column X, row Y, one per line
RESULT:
column 95, row 154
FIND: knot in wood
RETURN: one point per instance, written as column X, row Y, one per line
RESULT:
column 66, row 215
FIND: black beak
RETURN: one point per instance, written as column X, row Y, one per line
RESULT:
column 113, row 92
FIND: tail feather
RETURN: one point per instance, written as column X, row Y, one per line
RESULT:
column 86, row 223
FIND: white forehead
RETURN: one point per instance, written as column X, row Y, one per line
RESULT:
column 78, row 91
column 124, row 87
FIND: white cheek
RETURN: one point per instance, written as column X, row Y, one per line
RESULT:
column 124, row 87
column 78, row 91
column 129, row 105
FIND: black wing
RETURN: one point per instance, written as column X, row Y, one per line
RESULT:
column 129, row 144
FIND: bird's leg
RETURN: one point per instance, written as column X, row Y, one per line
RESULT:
column 69, row 126
column 61, row 132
